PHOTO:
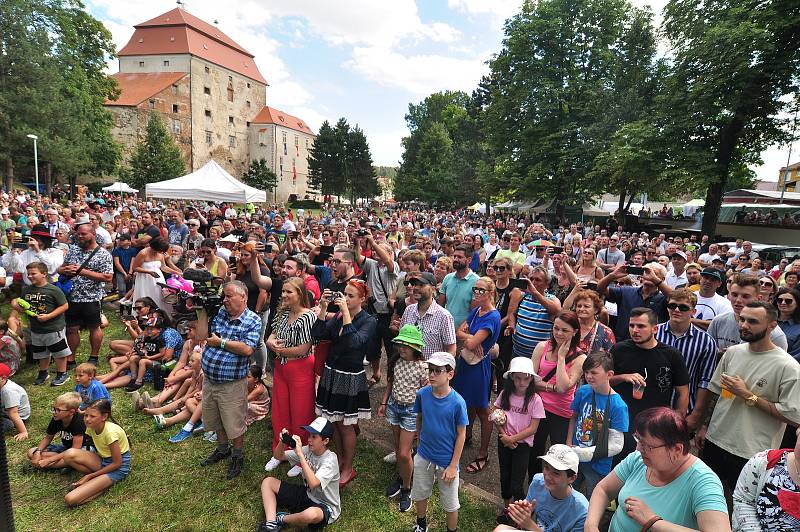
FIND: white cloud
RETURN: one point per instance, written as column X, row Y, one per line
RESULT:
column 385, row 146
column 418, row 74
column 497, row 10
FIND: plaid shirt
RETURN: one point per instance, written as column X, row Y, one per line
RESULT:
column 223, row 366
column 438, row 328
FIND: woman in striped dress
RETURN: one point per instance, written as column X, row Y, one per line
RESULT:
column 531, row 313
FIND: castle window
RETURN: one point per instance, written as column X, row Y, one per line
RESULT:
column 230, row 120
column 166, row 63
column 230, row 79
column 208, row 113
column 174, row 89
column 206, row 90
column 208, row 138
column 248, row 84
column 176, row 126
column 247, row 103
column 152, row 104
column 208, row 70
column 231, row 141
column 174, row 107
column 141, row 64
column 230, row 92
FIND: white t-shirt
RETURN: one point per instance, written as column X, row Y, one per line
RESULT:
column 706, row 258
column 15, row 395
column 674, row 280
column 326, row 469
column 103, row 236
column 709, row 308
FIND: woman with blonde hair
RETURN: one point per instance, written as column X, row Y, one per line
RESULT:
column 441, row 268
column 473, row 379
column 587, row 269
column 293, row 393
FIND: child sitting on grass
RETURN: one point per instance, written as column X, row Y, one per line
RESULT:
column 258, row 399
column 176, row 383
column 187, row 407
column 316, row 504
column 16, row 405
column 406, row 372
column 89, row 388
column 67, row 424
column 124, row 368
column 104, row 468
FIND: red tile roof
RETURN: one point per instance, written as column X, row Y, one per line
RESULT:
column 270, row 115
column 136, row 88
column 178, row 32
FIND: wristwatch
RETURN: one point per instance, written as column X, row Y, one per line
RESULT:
column 752, row 400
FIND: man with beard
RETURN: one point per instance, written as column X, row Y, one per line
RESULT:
column 647, row 372
column 341, row 271
column 725, row 327
column 147, row 233
column 709, row 303
column 436, row 323
column 755, row 395
column 96, row 268
column 456, row 293
column 652, row 294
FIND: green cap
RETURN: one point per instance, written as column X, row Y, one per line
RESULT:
column 410, row 335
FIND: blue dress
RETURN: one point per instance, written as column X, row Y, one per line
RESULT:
column 473, row 382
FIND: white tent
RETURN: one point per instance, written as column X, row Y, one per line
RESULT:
column 120, row 187
column 690, row 208
column 209, row 183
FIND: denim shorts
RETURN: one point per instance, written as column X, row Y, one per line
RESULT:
column 402, row 415
column 122, row 471
column 55, row 448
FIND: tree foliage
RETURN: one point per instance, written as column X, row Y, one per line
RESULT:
column 53, row 84
column 260, row 175
column 156, row 157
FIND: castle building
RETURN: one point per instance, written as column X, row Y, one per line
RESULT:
column 211, row 96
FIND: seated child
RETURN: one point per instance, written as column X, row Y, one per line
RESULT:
column 316, row 504
column 102, row 469
column 124, row 368
column 553, row 505
column 187, row 407
column 11, row 347
column 177, row 376
column 258, row 399
column 67, row 424
column 17, row 406
column 160, row 345
column 599, row 421
column 89, row 389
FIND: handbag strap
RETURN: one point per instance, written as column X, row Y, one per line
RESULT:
column 552, row 372
column 85, row 262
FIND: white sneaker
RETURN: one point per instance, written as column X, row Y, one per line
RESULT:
column 272, row 465
column 161, row 421
column 390, row 458
column 295, row 471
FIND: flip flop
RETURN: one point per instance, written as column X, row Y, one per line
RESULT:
column 478, row 465
column 373, row 381
column 349, row 480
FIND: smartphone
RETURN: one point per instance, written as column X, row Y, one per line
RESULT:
column 268, row 248
column 522, row 284
column 634, row 270
column 555, row 250
column 326, row 250
column 20, row 245
column 287, row 440
column 294, row 234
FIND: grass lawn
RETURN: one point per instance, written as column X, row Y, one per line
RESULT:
column 168, row 490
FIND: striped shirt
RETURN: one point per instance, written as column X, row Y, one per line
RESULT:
column 534, row 325
column 437, row 325
column 699, row 352
column 296, row 333
column 220, row 365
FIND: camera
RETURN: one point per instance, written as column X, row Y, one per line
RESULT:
column 206, row 293
column 335, row 295
column 232, row 261
column 362, row 232
column 287, row 440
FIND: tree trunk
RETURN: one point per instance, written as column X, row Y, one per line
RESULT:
column 621, row 209
column 727, row 144
column 9, row 180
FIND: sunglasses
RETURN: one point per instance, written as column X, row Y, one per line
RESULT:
column 785, row 300
column 436, row 370
column 412, row 282
column 499, row 268
column 766, row 283
column 682, row 308
column 478, row 291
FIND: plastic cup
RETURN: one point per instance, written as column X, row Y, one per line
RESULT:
column 726, row 393
column 638, row 391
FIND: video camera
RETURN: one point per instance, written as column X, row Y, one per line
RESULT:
column 206, row 291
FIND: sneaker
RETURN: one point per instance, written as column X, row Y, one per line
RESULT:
column 94, row 361
column 199, row 428
column 235, row 467
column 294, row 471
column 394, row 488
column 404, row 502
column 61, row 379
column 210, row 436
column 272, row 465
column 390, row 458
column 41, row 378
column 161, row 421
column 419, row 528
column 136, row 399
column 216, row 456
column 71, row 364
column 147, row 400
column 269, row 526
column 133, row 386
column 181, row 436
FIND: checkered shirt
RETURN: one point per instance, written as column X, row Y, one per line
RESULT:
column 438, row 327
column 223, row 366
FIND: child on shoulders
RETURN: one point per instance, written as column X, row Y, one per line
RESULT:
column 67, row 424
column 16, row 405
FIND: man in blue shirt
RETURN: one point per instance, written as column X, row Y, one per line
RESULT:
column 456, row 294
column 235, row 334
column 652, row 294
column 551, row 505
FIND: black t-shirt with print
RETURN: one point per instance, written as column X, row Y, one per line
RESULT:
column 665, row 370
column 76, row 427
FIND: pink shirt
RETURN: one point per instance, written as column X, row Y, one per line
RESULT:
column 516, row 419
column 554, row 402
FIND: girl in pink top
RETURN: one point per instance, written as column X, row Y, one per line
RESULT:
column 559, row 363
column 519, row 409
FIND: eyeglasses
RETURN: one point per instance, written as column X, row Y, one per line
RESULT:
column 478, row 291
column 766, row 283
column 339, row 261
column 57, row 410
column 645, row 447
column 785, row 300
column 436, row 370
column 682, row 308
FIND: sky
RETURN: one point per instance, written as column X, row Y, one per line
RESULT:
column 364, row 60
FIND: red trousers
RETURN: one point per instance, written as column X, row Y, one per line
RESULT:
column 293, row 396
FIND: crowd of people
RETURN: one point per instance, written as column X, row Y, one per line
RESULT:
column 645, row 380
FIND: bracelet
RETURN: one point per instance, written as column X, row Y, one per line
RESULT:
column 648, row 525
column 222, row 344
column 384, row 404
column 37, row 450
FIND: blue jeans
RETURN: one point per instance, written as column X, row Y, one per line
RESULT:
column 588, row 477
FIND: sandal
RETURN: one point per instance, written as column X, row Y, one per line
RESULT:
column 477, row 465
column 374, row 380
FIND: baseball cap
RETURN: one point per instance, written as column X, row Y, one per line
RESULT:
column 520, row 365
column 712, row 272
column 424, row 277
column 719, row 260
column 562, row 457
column 230, row 238
column 441, row 359
column 320, row 426
column 680, row 254
column 82, row 220
column 5, row 210
column 5, row 371
column 41, row 231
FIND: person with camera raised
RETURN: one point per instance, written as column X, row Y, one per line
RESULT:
column 233, row 336
column 36, row 248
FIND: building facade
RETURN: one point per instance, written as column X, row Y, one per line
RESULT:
column 788, row 175
column 209, row 92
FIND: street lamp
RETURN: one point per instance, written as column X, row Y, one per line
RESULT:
column 35, row 159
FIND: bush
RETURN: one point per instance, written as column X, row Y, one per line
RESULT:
column 304, row 204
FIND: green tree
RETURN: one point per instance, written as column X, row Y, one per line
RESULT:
column 735, row 64
column 362, row 180
column 324, row 165
column 156, row 157
column 260, row 175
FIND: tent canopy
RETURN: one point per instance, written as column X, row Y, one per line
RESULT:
column 119, row 186
column 209, row 183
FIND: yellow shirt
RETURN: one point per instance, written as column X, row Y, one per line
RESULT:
column 111, row 433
